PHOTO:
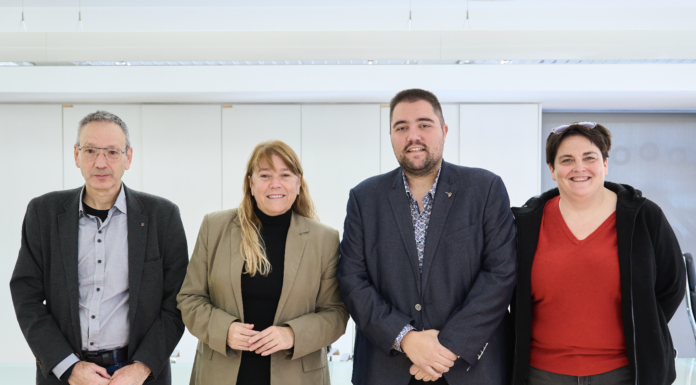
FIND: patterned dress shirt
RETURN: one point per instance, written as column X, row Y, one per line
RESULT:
column 421, row 219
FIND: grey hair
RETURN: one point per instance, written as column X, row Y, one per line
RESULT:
column 103, row 116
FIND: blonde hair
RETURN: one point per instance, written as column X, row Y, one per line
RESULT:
column 253, row 252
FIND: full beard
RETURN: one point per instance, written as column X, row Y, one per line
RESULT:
column 430, row 163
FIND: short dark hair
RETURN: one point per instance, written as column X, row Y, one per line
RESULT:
column 414, row 95
column 599, row 136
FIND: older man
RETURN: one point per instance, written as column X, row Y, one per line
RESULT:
column 95, row 283
column 428, row 262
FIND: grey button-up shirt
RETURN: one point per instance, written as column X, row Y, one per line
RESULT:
column 103, row 274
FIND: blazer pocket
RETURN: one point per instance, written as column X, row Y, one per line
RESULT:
column 204, row 350
column 313, row 361
column 153, row 263
column 463, row 232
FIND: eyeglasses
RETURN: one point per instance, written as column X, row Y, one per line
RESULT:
column 90, row 153
column 588, row 125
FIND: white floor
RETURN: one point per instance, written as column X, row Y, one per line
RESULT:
column 23, row 374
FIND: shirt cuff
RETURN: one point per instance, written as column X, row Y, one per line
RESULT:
column 64, row 365
column 397, row 342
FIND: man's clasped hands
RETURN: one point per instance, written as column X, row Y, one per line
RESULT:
column 430, row 359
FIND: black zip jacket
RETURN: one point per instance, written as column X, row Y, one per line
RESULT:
column 653, row 283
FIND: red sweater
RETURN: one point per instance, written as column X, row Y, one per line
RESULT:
column 577, row 327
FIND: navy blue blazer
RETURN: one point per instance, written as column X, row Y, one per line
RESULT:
column 469, row 273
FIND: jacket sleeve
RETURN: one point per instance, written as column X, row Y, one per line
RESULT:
column 204, row 320
column 375, row 317
column 670, row 282
column 160, row 340
column 316, row 330
column 44, row 336
column 468, row 329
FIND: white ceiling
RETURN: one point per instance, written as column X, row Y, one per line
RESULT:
column 555, row 87
column 355, row 15
column 570, row 87
column 419, row 47
column 343, row 3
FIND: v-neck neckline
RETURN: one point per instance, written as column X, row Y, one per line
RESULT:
column 569, row 233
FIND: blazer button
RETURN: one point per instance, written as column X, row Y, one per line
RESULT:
column 418, row 307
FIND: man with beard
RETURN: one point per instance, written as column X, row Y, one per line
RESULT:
column 428, row 262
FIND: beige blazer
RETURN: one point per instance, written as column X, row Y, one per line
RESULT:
column 211, row 299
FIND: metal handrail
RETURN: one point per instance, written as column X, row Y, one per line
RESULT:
column 689, row 306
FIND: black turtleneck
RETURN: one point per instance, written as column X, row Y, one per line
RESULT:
column 260, row 295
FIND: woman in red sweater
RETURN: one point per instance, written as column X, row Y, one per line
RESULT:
column 600, row 274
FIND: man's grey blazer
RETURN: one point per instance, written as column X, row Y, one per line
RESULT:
column 469, row 272
column 46, row 270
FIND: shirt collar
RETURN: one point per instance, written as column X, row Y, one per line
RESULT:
column 431, row 192
column 120, row 203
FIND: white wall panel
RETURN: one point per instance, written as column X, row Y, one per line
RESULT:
column 504, row 138
column 450, row 153
column 388, row 160
column 182, row 161
column 245, row 126
column 130, row 114
column 340, row 148
column 31, row 138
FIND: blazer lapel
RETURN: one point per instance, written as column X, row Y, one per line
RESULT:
column 68, row 228
column 137, row 246
column 402, row 213
column 236, row 266
column 294, row 249
column 445, row 195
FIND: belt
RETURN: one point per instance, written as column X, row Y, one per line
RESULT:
column 106, row 358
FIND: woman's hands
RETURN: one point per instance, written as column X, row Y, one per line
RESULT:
column 241, row 336
column 271, row 340
column 238, row 335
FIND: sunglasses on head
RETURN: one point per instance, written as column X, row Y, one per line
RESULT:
column 588, row 125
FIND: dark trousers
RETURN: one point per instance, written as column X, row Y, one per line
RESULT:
column 439, row 381
column 620, row 376
column 116, row 366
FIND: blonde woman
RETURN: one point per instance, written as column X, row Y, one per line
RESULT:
column 260, row 292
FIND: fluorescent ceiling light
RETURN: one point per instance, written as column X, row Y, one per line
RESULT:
column 198, row 63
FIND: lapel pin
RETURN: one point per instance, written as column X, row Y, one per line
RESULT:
column 142, row 224
column 449, row 194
